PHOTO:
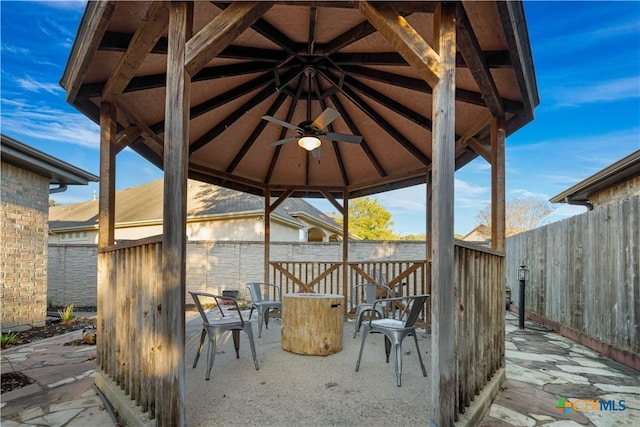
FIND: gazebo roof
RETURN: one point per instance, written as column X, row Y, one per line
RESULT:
column 325, row 52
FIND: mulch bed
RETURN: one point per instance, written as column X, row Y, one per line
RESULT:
column 15, row 380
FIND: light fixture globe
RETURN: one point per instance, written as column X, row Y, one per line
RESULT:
column 309, row 143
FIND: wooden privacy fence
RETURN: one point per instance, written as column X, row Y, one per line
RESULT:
column 480, row 311
column 129, row 323
column 585, row 274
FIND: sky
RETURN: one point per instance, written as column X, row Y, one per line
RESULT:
column 587, row 62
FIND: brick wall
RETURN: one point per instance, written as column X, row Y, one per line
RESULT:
column 214, row 266
column 23, row 242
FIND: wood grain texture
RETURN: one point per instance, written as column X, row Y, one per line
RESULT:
column 585, row 273
column 221, row 31
column 443, row 356
column 145, row 38
column 404, row 39
column 498, row 185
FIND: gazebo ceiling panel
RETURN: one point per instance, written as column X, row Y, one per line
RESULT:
column 297, row 53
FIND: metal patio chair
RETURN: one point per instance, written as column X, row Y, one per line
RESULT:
column 214, row 326
column 371, row 293
column 395, row 330
column 263, row 306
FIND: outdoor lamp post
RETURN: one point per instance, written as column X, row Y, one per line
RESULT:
column 523, row 276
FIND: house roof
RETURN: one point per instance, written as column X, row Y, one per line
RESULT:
column 57, row 171
column 295, row 60
column 619, row 172
column 144, row 204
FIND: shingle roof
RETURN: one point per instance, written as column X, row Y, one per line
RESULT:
column 144, row 204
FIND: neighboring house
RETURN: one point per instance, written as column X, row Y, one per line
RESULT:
column 26, row 177
column 481, row 233
column 214, row 213
column 619, row 181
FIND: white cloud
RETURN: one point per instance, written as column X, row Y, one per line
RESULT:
column 46, row 123
column 607, row 91
column 521, row 192
column 470, row 195
column 34, row 85
column 14, row 49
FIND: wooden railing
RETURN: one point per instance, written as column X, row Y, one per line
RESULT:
column 480, row 307
column 129, row 323
column 130, row 327
column 408, row 277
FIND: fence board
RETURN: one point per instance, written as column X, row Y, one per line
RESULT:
column 585, row 273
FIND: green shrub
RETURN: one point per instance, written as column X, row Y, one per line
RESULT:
column 8, row 338
column 67, row 314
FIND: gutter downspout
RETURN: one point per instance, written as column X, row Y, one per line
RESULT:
column 588, row 205
column 61, row 188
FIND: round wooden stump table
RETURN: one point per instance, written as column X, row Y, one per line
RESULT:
column 312, row 323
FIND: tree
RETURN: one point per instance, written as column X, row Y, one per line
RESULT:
column 369, row 220
column 521, row 214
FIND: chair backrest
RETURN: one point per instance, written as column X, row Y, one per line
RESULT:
column 417, row 304
column 256, row 292
column 218, row 301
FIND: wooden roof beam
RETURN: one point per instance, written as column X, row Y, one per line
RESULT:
column 223, row 98
column 91, row 31
column 147, row 35
column 379, row 120
column 468, row 138
column 256, row 133
column 413, row 48
column 220, row 32
column 354, row 129
column 472, row 53
column 155, row 81
column 283, row 132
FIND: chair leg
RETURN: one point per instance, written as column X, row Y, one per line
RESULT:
column 424, row 371
column 365, row 332
column 251, row 312
column 387, row 347
column 202, row 337
column 211, row 353
column 236, row 341
column 249, row 332
column 260, row 315
column 266, row 318
column 397, row 347
column 359, row 316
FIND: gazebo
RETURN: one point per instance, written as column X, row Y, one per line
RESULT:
column 390, row 94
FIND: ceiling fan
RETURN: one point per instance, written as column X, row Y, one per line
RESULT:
column 310, row 132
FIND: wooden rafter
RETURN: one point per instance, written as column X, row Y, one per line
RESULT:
column 147, row 35
column 154, row 81
column 92, row 33
column 403, row 38
column 468, row 137
column 472, row 53
column 379, row 120
column 354, row 130
column 255, row 133
column 234, row 116
column 220, row 32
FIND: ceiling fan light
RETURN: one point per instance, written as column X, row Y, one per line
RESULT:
column 309, row 143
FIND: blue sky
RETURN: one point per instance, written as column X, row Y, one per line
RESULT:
column 587, row 61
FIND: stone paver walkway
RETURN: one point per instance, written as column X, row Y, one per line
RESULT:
column 551, row 381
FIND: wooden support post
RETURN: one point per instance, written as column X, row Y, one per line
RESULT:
column 267, row 233
column 346, row 288
column 443, row 356
column 106, row 222
column 498, row 219
column 176, row 151
column 429, row 214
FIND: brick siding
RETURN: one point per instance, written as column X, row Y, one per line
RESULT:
column 23, row 242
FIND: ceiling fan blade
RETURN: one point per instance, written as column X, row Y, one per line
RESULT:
column 282, row 141
column 317, row 152
column 343, row 137
column 325, row 118
column 281, row 123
